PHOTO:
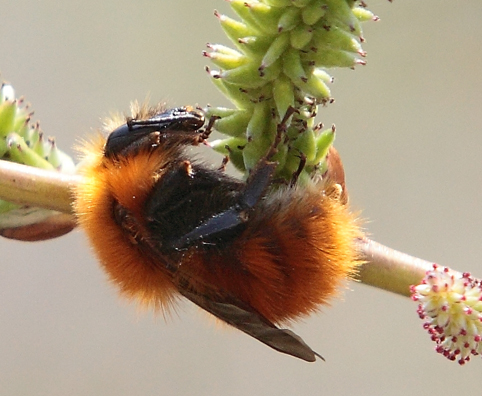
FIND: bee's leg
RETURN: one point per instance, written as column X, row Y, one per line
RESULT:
column 256, row 185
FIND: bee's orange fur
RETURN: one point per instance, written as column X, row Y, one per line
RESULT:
column 297, row 249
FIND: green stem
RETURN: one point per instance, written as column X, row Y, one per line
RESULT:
column 27, row 185
column 389, row 269
column 384, row 268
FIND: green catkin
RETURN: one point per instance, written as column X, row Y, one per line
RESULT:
column 282, row 50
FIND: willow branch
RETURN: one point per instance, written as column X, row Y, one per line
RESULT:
column 384, row 268
column 389, row 269
column 26, row 185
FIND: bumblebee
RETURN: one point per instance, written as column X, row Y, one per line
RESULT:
column 253, row 254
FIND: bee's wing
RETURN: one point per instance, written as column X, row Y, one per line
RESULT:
column 256, row 326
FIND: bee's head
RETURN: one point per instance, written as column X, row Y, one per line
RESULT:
column 178, row 126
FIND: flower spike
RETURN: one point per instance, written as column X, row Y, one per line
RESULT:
column 282, row 47
column 450, row 304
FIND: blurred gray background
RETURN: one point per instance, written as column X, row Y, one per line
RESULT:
column 409, row 131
